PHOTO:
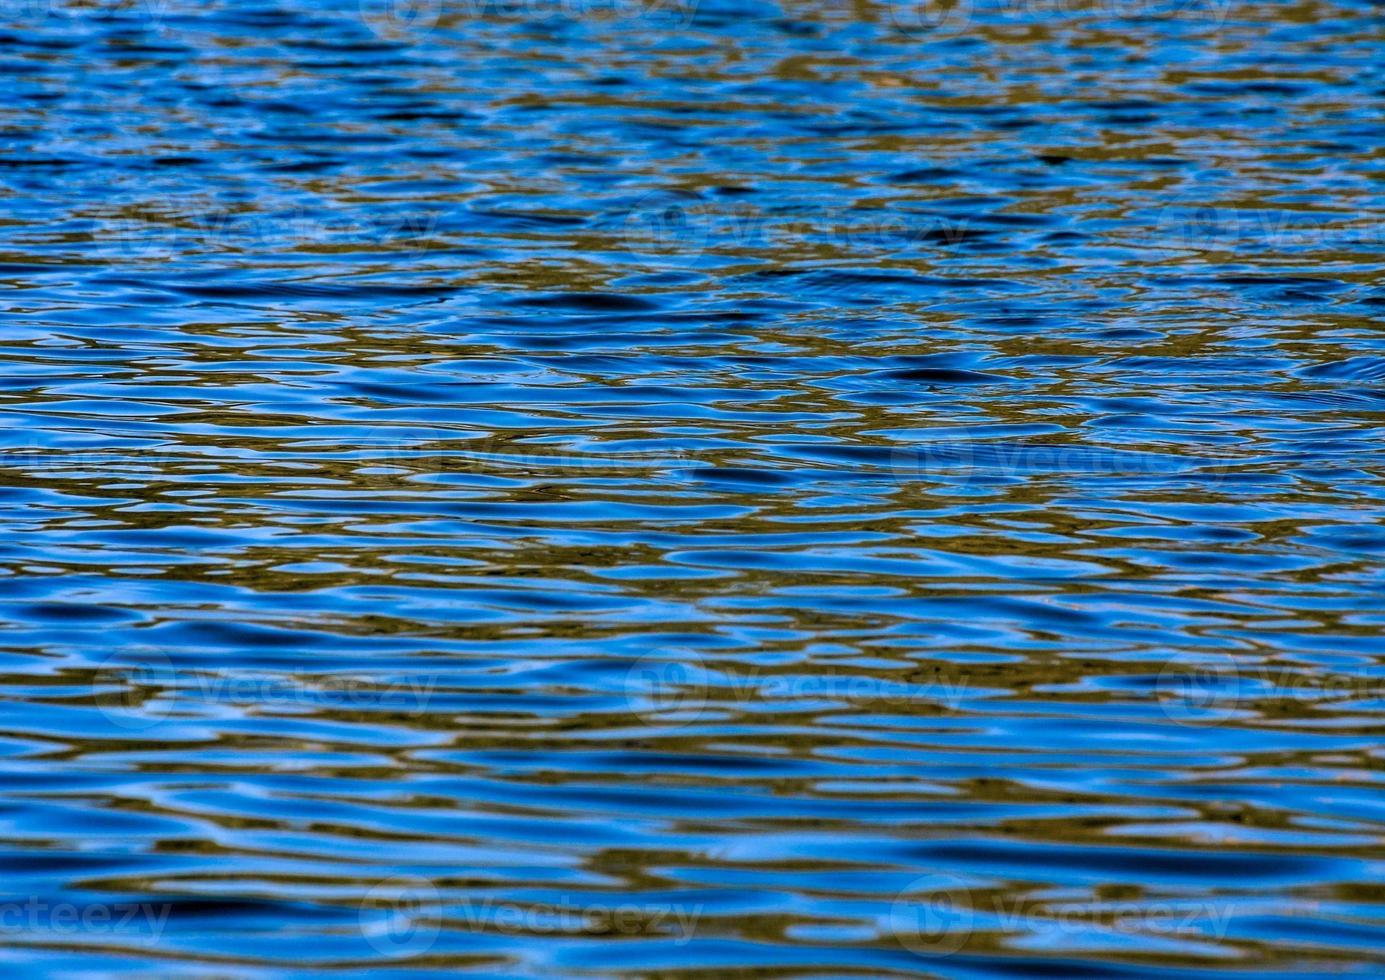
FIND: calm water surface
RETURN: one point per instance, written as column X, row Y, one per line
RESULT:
column 563, row 488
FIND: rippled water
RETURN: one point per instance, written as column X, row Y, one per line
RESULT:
column 598, row 487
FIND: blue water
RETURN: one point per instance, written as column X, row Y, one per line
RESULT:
column 659, row 488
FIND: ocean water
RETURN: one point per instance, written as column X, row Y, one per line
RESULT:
column 691, row 488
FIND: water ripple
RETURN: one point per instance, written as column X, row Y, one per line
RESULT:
column 720, row 488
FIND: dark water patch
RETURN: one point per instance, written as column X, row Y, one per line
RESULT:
column 522, row 219
column 74, row 613
column 941, row 376
column 923, row 175
column 589, row 302
column 740, row 475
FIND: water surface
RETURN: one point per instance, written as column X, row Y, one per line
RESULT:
column 740, row 488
